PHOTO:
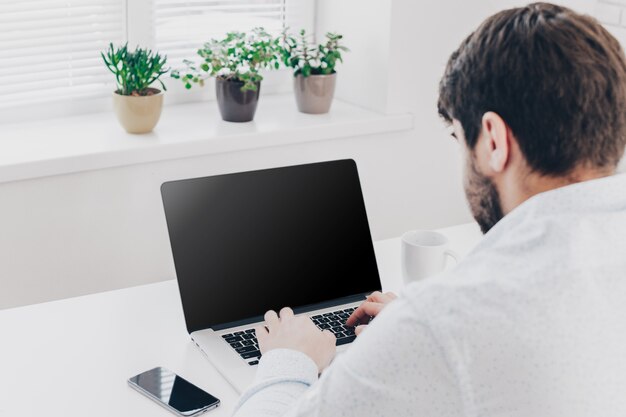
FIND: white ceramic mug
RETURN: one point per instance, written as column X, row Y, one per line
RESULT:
column 424, row 253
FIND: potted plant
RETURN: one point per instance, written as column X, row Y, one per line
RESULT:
column 314, row 69
column 235, row 62
column 136, row 104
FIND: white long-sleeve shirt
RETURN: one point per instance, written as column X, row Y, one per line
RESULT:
column 531, row 323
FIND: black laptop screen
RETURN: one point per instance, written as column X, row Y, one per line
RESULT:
column 248, row 242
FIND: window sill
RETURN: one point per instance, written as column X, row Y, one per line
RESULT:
column 96, row 141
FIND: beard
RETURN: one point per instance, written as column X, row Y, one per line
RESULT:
column 483, row 197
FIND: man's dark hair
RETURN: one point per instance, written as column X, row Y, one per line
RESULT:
column 557, row 78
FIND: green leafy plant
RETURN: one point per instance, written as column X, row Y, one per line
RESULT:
column 134, row 70
column 237, row 57
column 306, row 58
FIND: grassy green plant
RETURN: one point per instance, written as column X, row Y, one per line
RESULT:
column 237, row 57
column 134, row 70
column 306, row 58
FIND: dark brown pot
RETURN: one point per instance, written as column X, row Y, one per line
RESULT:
column 236, row 105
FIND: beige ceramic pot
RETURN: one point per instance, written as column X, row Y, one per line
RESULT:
column 314, row 94
column 138, row 114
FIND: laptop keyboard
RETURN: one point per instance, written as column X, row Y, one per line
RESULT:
column 336, row 323
column 246, row 345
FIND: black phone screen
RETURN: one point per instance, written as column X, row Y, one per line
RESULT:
column 174, row 391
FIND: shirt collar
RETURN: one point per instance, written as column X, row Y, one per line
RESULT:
column 601, row 194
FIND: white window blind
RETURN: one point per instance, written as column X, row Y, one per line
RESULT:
column 182, row 27
column 50, row 49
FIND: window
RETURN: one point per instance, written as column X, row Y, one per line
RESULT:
column 182, row 27
column 50, row 49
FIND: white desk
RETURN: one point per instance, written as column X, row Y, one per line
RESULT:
column 73, row 357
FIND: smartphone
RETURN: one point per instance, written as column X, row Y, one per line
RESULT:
column 173, row 392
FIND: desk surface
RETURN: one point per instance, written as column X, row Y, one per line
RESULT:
column 72, row 357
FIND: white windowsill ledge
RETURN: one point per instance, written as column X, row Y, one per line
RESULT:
column 96, row 141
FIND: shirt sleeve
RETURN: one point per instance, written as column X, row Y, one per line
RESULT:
column 395, row 367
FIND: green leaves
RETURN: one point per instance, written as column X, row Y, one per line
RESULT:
column 238, row 56
column 307, row 59
column 241, row 56
column 134, row 70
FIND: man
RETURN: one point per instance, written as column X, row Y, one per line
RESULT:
column 533, row 321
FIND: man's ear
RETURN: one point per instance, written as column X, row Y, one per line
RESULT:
column 496, row 141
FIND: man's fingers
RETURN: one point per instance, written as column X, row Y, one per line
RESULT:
column 359, row 329
column 329, row 334
column 271, row 319
column 261, row 332
column 285, row 312
column 364, row 311
column 374, row 303
column 379, row 297
column 375, row 296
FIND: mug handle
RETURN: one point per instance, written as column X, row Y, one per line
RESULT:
column 452, row 254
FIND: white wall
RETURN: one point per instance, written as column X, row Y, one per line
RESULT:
column 76, row 234
column 81, row 233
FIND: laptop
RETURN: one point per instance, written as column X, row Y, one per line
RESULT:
column 249, row 242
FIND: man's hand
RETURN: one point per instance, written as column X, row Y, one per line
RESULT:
column 370, row 308
column 297, row 333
